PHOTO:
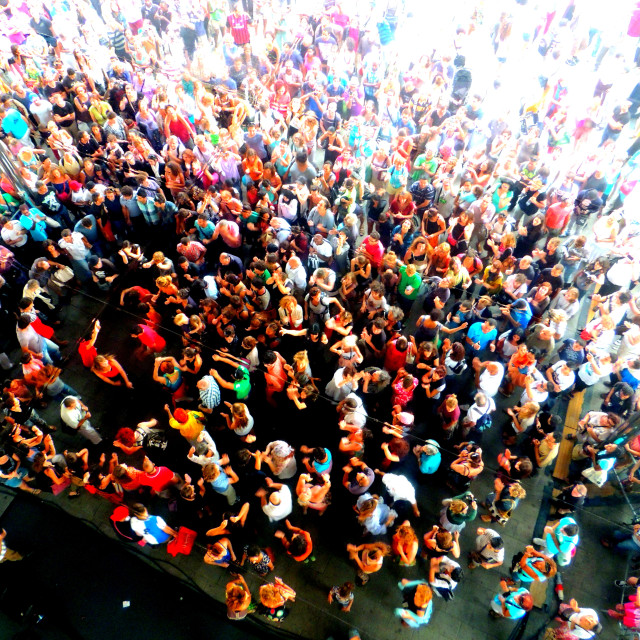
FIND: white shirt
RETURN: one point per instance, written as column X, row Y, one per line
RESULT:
column 277, row 512
column 288, row 211
column 490, row 555
column 297, row 275
column 510, row 286
column 623, row 272
column 563, row 381
column 490, row 384
column 588, row 375
column 399, row 487
column 440, row 583
column 139, row 527
column 43, row 112
column 76, row 247
column 71, row 417
column 579, row 631
column 536, row 394
column 475, row 412
column 324, row 249
column 626, row 348
column 14, row 231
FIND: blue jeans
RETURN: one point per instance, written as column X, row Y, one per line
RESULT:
column 624, row 543
column 50, row 350
column 81, row 270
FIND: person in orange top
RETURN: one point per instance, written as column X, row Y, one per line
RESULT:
column 405, row 544
column 297, row 542
column 252, row 166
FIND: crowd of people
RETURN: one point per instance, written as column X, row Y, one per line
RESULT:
column 321, row 254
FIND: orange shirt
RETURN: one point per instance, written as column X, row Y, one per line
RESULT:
column 254, row 167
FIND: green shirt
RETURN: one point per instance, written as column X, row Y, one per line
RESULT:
column 405, row 281
column 421, row 166
column 242, row 387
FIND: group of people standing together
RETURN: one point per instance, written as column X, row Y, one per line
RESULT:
column 329, row 257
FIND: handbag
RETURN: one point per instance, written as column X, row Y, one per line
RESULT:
column 182, row 543
column 57, row 489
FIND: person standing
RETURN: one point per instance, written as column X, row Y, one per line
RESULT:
column 489, row 550
column 512, row 602
column 152, row 529
column 238, row 22
column 75, row 414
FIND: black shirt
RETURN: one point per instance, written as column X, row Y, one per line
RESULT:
column 87, row 149
column 43, row 27
column 104, row 271
column 526, row 204
column 64, row 110
column 48, row 90
column 555, row 281
column 183, row 282
column 48, row 202
column 114, row 208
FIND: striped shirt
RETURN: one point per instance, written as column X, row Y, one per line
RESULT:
column 210, row 397
column 194, row 251
column 239, row 25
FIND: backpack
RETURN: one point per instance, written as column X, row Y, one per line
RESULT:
column 484, row 422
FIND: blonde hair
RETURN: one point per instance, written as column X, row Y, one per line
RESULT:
column 271, row 596
column 423, row 595
column 239, row 411
column 163, row 281
column 558, row 315
column 451, row 402
column 529, row 409
column 301, row 357
column 457, row 506
column 210, row 472
column 286, row 301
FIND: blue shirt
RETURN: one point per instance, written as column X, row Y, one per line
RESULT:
column 13, row 124
column 430, row 464
column 522, row 316
column 476, row 335
column 321, row 467
column 221, row 483
column 90, row 233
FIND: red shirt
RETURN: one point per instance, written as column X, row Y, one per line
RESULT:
column 87, row 353
column 151, row 339
column 374, row 249
column 239, row 26
column 144, row 295
column 401, row 395
column 557, row 215
column 158, row 479
column 394, row 359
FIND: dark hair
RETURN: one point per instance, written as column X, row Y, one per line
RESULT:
column 298, row 545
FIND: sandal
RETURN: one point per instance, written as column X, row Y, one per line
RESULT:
column 35, row 492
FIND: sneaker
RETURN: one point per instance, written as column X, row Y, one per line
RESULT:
column 620, row 583
column 539, row 542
